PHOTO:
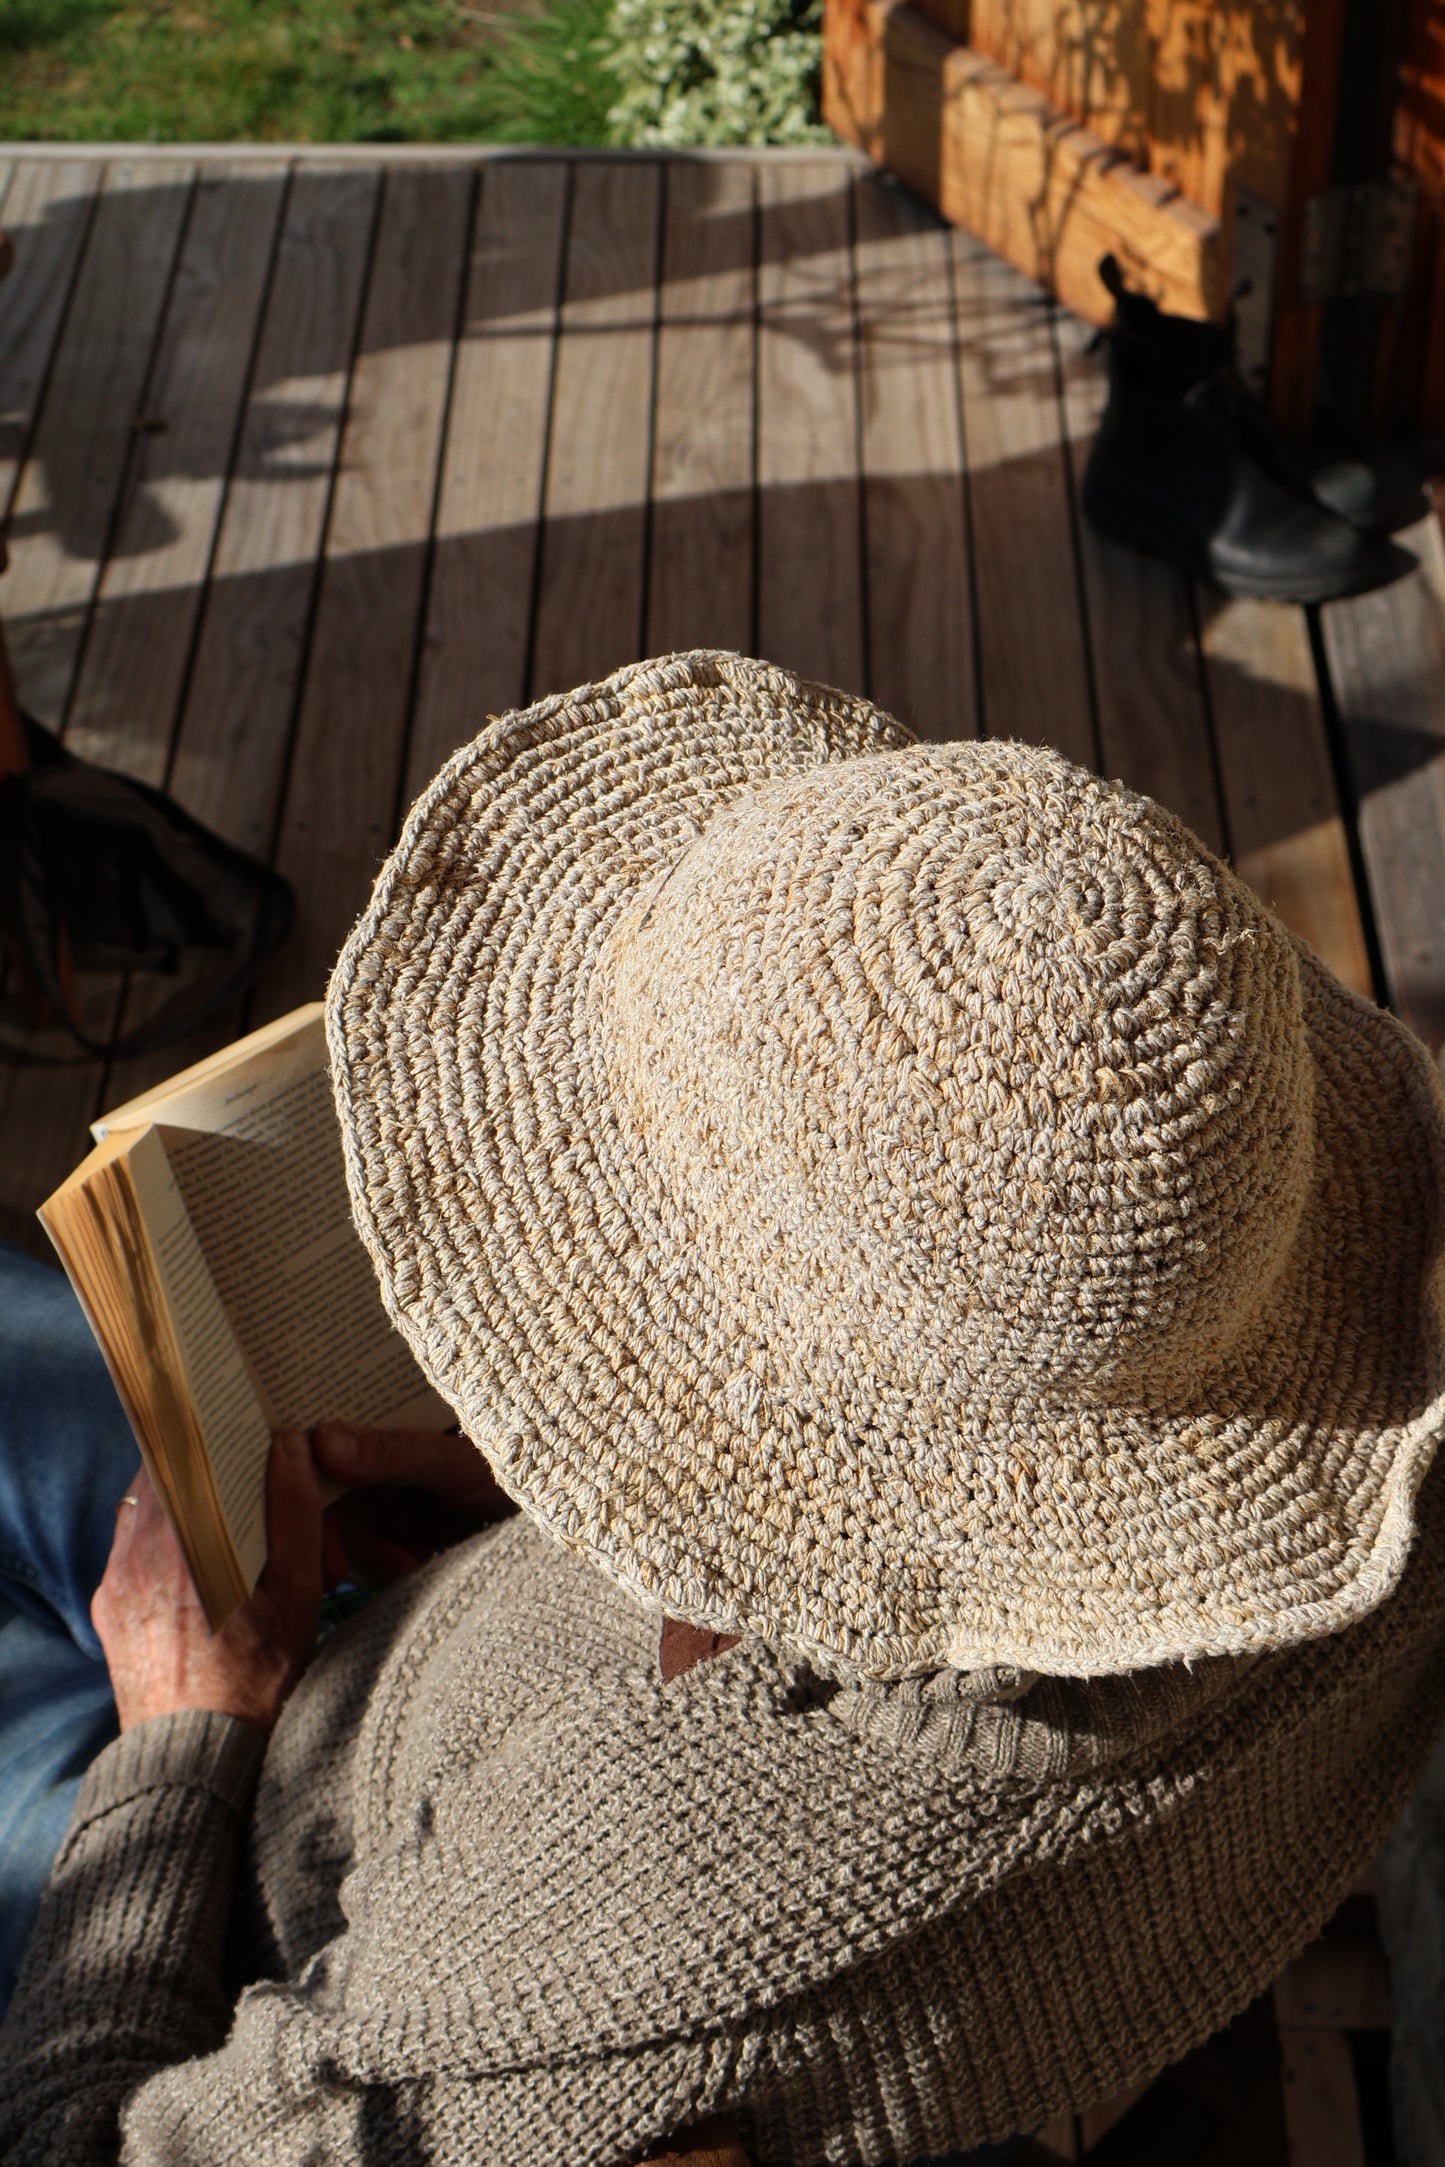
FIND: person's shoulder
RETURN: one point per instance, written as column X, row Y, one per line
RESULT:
column 590, row 1654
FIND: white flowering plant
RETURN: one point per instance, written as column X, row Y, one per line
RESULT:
column 716, row 71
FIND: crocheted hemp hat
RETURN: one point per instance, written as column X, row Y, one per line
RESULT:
column 909, row 1201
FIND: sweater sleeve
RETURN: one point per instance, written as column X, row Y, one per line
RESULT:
column 123, row 2044
column 123, row 1971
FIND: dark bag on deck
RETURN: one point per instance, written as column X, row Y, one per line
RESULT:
column 107, row 874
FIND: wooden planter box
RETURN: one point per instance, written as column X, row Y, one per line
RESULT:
column 1296, row 146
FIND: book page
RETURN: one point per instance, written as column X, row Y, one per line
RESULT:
column 266, row 1194
column 231, row 1418
column 211, row 1093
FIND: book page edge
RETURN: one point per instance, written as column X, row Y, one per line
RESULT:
column 146, row 1106
column 222, row 1589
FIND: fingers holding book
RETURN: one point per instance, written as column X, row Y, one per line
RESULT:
column 162, row 1656
column 409, row 1494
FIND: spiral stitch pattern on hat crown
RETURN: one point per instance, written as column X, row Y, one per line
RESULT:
column 952, row 1061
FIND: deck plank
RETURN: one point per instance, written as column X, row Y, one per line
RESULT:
column 1034, row 672
column 474, row 660
column 1386, row 654
column 71, row 480
column 128, row 691
column 346, row 761
column 1285, row 829
column 810, row 571
column 920, row 609
column 246, row 678
column 1153, row 721
column 1321, row 2107
column 1095, row 2122
column 127, row 695
column 1337, row 1984
column 62, row 515
column 46, row 212
column 133, row 666
column 700, row 560
column 590, row 584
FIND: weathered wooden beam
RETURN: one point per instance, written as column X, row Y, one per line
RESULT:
column 1386, row 655
column 1321, row 2105
column 996, row 157
column 1336, row 1985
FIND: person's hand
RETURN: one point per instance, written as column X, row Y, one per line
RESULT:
column 411, row 1493
column 162, row 1655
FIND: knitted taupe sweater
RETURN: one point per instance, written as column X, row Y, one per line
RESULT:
column 510, row 1898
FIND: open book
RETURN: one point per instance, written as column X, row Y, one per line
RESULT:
column 210, row 1240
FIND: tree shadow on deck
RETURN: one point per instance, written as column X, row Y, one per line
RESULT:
column 299, row 708
column 512, row 288
column 309, row 751
column 803, row 573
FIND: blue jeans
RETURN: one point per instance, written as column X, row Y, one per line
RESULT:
column 66, row 1456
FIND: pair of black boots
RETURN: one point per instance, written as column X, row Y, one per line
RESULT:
column 1186, row 465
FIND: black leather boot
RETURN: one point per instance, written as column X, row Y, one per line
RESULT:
column 1177, row 470
column 1379, row 495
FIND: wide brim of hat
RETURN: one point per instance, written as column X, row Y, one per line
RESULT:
column 1268, row 1503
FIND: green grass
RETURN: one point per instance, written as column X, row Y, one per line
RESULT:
column 318, row 71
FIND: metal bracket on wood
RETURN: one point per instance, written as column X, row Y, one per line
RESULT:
column 1256, row 244
column 1357, row 240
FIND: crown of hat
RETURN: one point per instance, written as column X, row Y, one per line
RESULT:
column 957, row 1071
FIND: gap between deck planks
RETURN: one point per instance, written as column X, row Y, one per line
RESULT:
column 422, row 439
column 1386, row 658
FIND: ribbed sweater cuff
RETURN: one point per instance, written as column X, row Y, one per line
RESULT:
column 195, row 1750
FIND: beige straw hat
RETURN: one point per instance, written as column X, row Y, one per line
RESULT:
column 908, row 1201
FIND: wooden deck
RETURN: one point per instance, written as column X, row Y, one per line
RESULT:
column 311, row 461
